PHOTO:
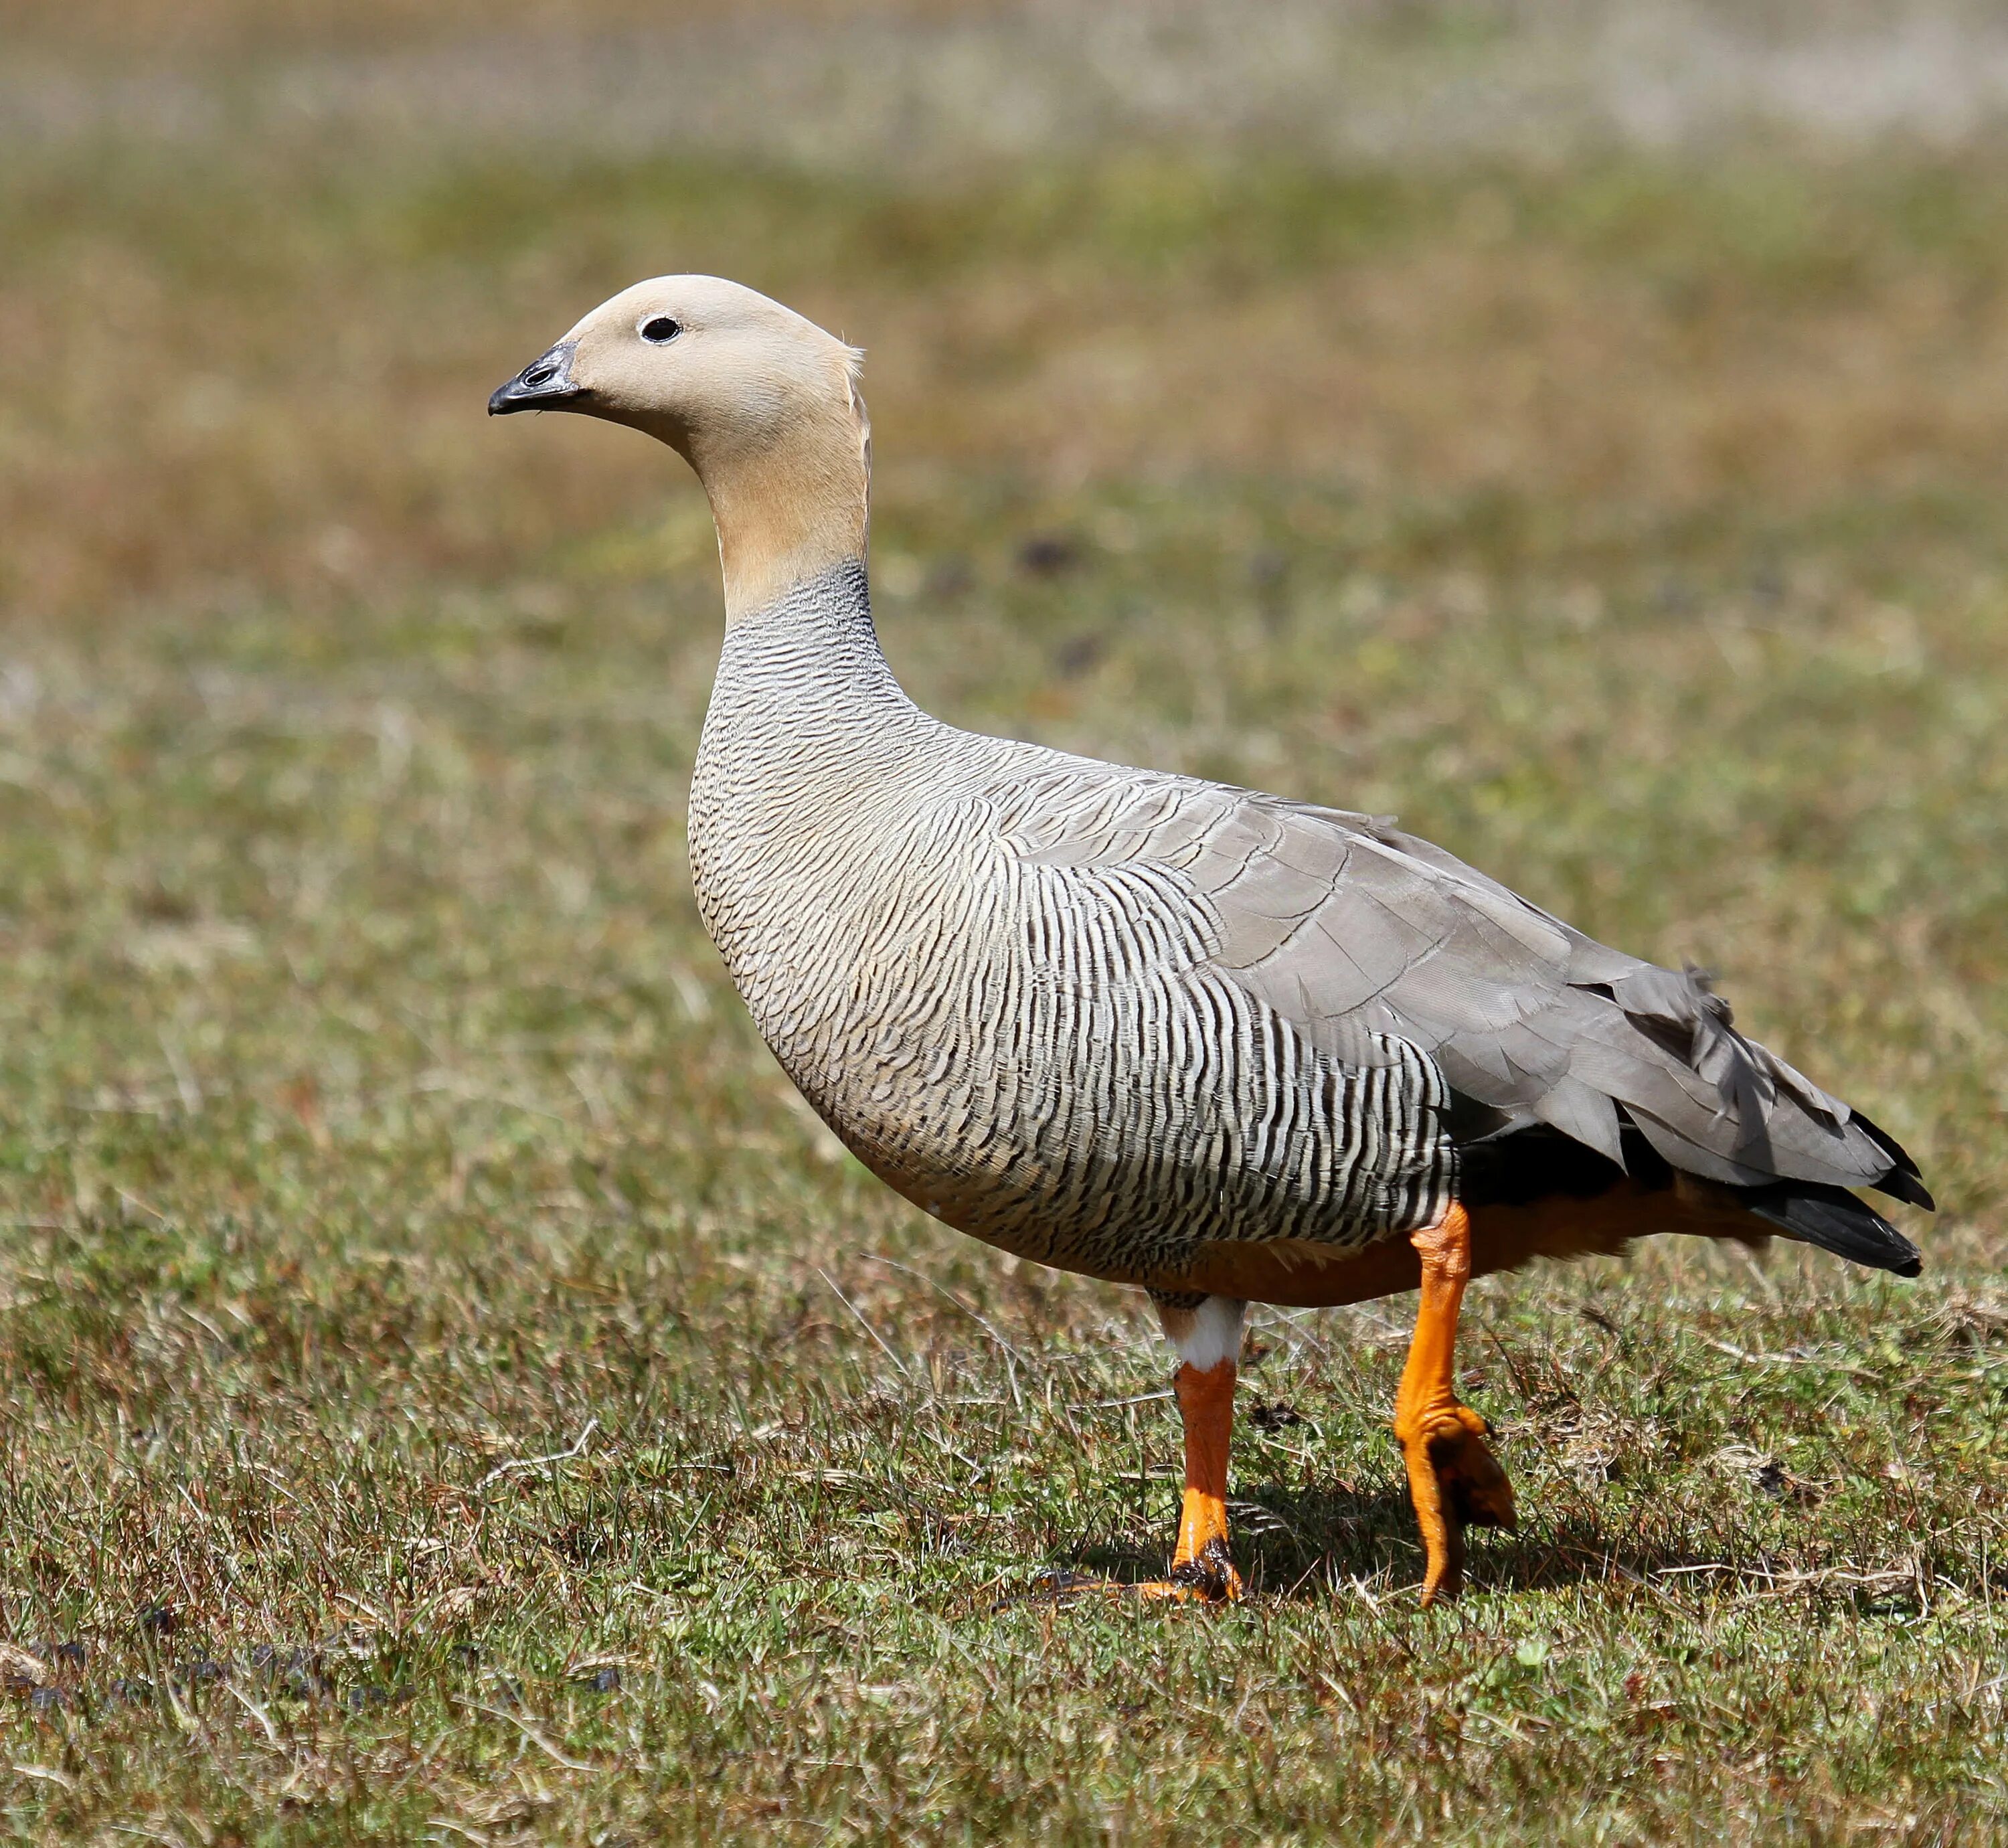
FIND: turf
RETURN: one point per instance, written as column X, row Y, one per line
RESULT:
column 453, row 1391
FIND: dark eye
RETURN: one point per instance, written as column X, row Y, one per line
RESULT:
column 659, row 330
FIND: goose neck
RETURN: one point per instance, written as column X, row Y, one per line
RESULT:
column 810, row 661
column 787, row 509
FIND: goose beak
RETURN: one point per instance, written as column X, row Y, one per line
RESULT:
column 545, row 384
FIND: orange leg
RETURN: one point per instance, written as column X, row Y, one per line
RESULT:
column 1201, row 1566
column 1207, row 1332
column 1453, row 1478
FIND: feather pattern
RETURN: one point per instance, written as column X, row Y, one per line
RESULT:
column 1101, row 1016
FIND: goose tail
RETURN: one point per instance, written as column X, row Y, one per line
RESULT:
column 1835, row 1220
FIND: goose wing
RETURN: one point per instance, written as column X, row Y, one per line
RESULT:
column 1349, row 929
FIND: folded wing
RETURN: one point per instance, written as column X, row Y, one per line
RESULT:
column 1350, row 930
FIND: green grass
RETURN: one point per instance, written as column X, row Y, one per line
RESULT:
column 421, row 1295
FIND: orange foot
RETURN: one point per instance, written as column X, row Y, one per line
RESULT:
column 1213, row 1582
column 1455, row 1482
column 1207, row 1577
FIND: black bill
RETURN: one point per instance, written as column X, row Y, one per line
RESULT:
column 545, row 384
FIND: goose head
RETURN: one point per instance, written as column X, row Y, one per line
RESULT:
column 760, row 402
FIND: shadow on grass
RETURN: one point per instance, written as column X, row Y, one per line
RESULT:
column 1301, row 1543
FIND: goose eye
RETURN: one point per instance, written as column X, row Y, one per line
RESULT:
column 659, row 330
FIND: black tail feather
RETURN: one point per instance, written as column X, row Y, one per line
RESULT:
column 1835, row 1220
column 1903, row 1182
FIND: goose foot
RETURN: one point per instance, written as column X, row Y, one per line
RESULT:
column 1210, row 1580
column 1455, row 1482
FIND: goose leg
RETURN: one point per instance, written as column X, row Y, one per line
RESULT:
column 1207, row 1335
column 1454, row 1480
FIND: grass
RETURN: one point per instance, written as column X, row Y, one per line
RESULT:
column 452, row 1392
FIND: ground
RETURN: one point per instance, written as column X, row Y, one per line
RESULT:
column 450, row 1388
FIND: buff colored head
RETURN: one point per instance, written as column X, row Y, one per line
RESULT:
column 762, row 404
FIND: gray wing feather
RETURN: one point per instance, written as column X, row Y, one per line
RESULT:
column 1351, row 930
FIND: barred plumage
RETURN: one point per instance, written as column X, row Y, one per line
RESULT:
column 1045, row 1056
column 1105, row 1018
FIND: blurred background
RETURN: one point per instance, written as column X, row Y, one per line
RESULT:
column 1580, row 429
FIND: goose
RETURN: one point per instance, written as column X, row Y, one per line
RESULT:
column 1216, row 1045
